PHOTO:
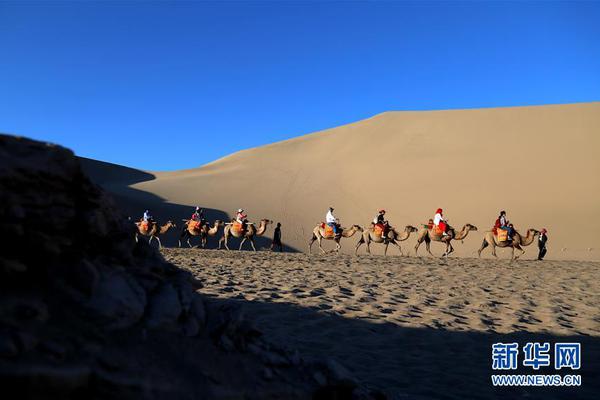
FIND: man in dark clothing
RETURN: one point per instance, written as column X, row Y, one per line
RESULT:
column 277, row 238
column 542, row 244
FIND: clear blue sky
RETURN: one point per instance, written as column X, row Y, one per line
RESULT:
column 163, row 85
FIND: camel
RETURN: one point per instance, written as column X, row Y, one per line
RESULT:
column 153, row 231
column 393, row 237
column 490, row 239
column 204, row 231
column 319, row 234
column 425, row 235
column 248, row 234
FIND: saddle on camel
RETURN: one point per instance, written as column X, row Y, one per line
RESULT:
column 328, row 230
column 146, row 226
column 437, row 230
column 239, row 227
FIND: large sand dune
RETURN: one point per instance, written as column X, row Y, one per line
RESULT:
column 539, row 163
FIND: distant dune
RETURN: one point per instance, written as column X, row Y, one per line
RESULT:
column 540, row 164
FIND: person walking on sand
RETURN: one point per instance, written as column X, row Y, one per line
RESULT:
column 277, row 238
column 542, row 244
column 332, row 221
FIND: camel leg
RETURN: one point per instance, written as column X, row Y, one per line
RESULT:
column 398, row 246
column 136, row 238
column 417, row 248
column 159, row 243
column 339, row 246
column 150, row 240
column 189, row 243
column 493, row 245
column 385, row 248
column 203, row 242
column 428, row 247
column 252, row 243
column 360, row 242
column 224, row 240
column 483, row 246
column 182, row 235
column 518, row 248
column 320, row 247
column 449, row 249
column 242, row 243
column 310, row 243
column 368, row 242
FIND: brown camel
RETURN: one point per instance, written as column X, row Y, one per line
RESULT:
column 490, row 239
column 426, row 235
column 153, row 230
column 204, row 231
column 393, row 237
column 319, row 234
column 247, row 234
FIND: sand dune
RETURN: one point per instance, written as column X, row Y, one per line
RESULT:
column 538, row 163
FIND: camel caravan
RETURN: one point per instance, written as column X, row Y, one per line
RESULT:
column 502, row 234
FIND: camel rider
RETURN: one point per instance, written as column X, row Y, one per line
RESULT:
column 198, row 217
column 331, row 220
column 147, row 219
column 440, row 222
column 380, row 220
column 240, row 217
column 502, row 223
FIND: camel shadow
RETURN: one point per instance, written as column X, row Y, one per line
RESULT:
column 414, row 363
column 117, row 181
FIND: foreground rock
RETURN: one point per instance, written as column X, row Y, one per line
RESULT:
column 87, row 312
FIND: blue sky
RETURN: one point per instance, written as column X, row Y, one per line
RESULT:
column 171, row 85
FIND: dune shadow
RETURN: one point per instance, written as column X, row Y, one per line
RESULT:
column 117, row 181
column 414, row 363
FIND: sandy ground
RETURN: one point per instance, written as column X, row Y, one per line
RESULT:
column 411, row 327
column 540, row 164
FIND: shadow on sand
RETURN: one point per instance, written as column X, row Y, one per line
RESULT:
column 117, row 180
column 415, row 363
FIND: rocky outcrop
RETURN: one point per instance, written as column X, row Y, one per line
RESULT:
column 87, row 312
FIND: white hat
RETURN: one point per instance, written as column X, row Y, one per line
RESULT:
column 240, row 210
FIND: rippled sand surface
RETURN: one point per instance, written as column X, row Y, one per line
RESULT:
column 410, row 326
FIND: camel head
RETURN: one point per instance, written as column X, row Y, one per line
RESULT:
column 218, row 223
column 357, row 228
column 170, row 224
column 533, row 232
column 410, row 229
column 265, row 221
column 469, row 227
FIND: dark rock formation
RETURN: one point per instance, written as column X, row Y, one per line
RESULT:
column 87, row 312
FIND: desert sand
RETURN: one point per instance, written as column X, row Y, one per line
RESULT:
column 540, row 164
column 410, row 327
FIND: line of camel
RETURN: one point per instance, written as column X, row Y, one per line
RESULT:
column 426, row 234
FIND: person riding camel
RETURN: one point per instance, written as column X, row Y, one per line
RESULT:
column 380, row 221
column 198, row 217
column 502, row 223
column 440, row 222
column 241, row 218
column 332, row 221
column 147, row 219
